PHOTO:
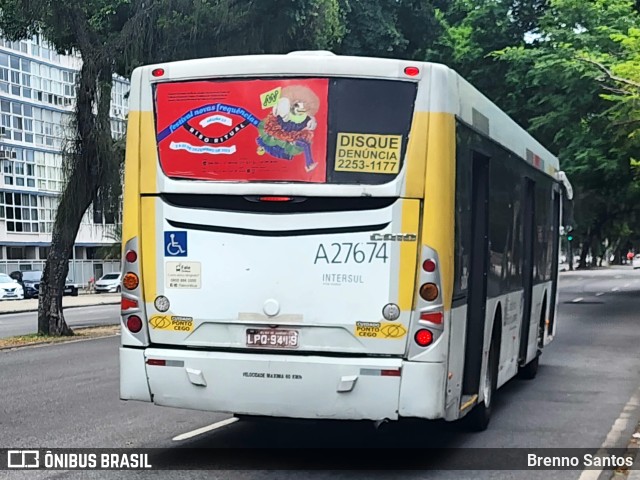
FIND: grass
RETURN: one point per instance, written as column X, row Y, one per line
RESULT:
column 80, row 333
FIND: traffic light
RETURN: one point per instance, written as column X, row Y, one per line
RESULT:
column 570, row 237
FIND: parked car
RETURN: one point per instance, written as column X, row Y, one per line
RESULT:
column 31, row 282
column 10, row 288
column 109, row 282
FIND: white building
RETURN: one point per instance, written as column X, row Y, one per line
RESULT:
column 36, row 103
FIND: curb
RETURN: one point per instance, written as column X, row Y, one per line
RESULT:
column 44, row 344
column 12, row 312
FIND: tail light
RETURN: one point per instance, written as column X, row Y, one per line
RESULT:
column 127, row 304
column 275, row 199
column 131, row 256
column 134, row 324
column 157, row 362
column 411, row 71
column 423, row 337
column 429, row 266
column 433, row 317
column 130, row 281
column 158, row 72
column 429, row 292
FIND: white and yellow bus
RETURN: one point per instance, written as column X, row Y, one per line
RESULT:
column 326, row 237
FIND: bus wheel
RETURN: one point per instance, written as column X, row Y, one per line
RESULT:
column 478, row 419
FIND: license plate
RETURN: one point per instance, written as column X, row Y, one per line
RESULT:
column 269, row 337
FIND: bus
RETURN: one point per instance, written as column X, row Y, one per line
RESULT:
column 317, row 236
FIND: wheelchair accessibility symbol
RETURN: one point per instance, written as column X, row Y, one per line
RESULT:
column 175, row 244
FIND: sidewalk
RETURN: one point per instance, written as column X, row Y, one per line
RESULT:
column 31, row 305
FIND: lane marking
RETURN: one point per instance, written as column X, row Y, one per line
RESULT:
column 209, row 428
column 576, row 300
column 626, row 285
column 599, row 294
column 618, row 276
column 620, row 426
column 615, row 289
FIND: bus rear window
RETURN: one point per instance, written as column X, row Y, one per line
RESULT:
column 310, row 130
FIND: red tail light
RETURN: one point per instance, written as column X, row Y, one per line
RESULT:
column 433, row 317
column 424, row 337
column 158, row 72
column 411, row 71
column 429, row 266
column 275, row 199
column 127, row 303
column 156, row 361
column 131, row 256
column 134, row 324
column 390, row 373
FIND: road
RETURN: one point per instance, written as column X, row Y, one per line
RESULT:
column 67, row 396
column 12, row 324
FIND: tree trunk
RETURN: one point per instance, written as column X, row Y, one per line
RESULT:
column 50, row 314
column 86, row 160
column 586, row 246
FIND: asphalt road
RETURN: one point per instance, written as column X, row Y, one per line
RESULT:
column 67, row 396
column 25, row 323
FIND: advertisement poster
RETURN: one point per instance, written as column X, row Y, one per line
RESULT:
column 247, row 130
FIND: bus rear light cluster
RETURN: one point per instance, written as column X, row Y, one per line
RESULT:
column 130, row 281
column 423, row 337
column 134, row 323
column 429, row 292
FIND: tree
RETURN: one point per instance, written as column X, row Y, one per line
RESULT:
column 114, row 36
column 583, row 102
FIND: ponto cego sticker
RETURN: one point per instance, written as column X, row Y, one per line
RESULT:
column 172, row 322
column 383, row 330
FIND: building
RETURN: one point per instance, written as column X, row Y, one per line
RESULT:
column 37, row 97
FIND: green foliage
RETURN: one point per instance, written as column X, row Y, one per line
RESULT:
column 579, row 72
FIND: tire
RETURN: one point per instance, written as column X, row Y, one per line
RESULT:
column 74, row 292
column 478, row 419
column 118, row 290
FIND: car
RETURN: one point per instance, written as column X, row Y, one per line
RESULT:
column 10, row 289
column 31, row 282
column 109, row 282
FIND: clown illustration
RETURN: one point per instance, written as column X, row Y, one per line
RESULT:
column 288, row 129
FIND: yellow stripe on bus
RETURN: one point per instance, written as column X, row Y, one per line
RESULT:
column 438, row 230
column 131, row 202
column 408, row 254
column 416, row 155
column 148, row 154
column 148, row 248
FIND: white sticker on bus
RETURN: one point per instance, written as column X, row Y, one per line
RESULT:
column 183, row 274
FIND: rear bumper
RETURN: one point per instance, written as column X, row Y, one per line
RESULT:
column 310, row 387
